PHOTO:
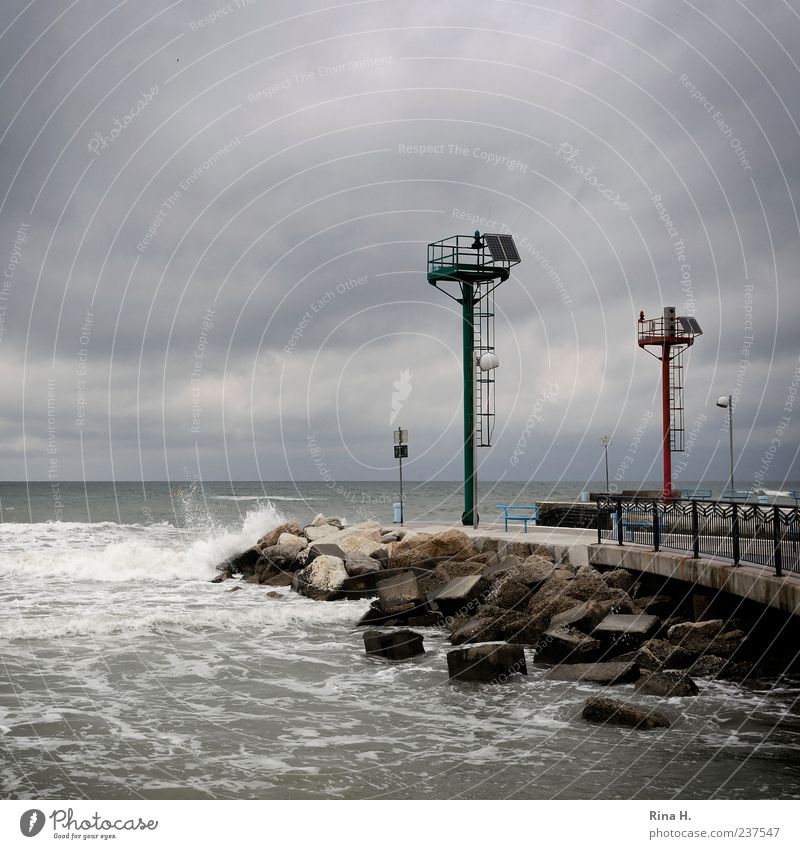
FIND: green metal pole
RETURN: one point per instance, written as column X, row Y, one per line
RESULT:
column 468, row 328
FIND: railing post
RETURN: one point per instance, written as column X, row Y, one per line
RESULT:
column 656, row 528
column 695, row 531
column 619, row 521
column 735, row 531
column 777, row 550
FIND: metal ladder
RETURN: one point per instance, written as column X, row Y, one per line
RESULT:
column 483, row 342
column 676, row 426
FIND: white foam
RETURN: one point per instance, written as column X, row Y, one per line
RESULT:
column 105, row 551
column 256, row 612
column 260, row 498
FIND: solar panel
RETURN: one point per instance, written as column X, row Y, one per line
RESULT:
column 690, row 325
column 502, row 247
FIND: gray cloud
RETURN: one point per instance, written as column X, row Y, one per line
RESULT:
column 207, row 183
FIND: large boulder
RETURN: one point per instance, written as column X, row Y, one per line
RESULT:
column 322, row 579
column 393, row 645
column 622, row 632
column 510, row 594
column 667, row 684
column 272, row 537
column 358, row 564
column 460, row 594
column 668, row 654
column 492, row 663
column 501, row 566
column 362, row 544
column 589, row 585
column 243, row 563
column 595, row 673
column 315, row 533
column 534, row 571
column 620, row 579
column 700, row 638
column 452, row 543
column 561, row 644
column 585, row 616
column 320, row 548
column 278, row 558
column 399, row 594
column 292, row 541
column 612, row 712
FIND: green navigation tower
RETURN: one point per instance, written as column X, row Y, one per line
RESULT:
column 468, row 269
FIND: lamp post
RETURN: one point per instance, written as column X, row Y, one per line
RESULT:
column 726, row 402
column 605, row 441
column 400, row 451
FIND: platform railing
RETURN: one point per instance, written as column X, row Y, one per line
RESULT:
column 743, row 533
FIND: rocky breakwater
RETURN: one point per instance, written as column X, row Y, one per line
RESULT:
column 497, row 602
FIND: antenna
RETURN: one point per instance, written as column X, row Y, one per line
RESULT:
column 468, row 269
column 669, row 336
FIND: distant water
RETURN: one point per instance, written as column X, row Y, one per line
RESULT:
column 186, row 504
column 126, row 674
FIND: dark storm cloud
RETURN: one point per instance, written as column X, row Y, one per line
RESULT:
column 225, row 208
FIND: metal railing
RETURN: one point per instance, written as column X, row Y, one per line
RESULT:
column 744, row 533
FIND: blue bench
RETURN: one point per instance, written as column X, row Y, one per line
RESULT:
column 736, row 494
column 696, row 494
column 519, row 513
column 637, row 520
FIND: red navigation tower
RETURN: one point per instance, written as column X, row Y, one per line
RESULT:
column 669, row 336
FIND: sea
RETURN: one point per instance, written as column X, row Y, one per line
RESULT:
column 126, row 674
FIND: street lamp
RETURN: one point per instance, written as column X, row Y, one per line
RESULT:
column 605, row 441
column 726, row 402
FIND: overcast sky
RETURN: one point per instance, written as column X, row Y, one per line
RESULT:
column 215, row 218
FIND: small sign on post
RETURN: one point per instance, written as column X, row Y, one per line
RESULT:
column 400, row 452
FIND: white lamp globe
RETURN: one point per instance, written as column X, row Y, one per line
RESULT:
column 488, row 361
column 722, row 401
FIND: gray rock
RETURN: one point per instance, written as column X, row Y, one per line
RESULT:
column 315, row 533
column 278, row 579
column 667, row 684
column 274, row 595
column 708, row 666
column 278, row 558
column 510, row 594
column 490, row 662
column 501, row 567
column 657, row 605
column 393, row 645
column 704, row 638
column 458, row 594
column 561, row 644
column 320, row 548
column 620, row 579
column 322, row 579
column 596, row 673
column 584, row 616
column 669, row 655
column 400, row 593
column 243, row 563
column 708, row 629
column 358, row 564
column 271, row 538
column 626, row 631
column 534, row 571
column 612, row 712
column 292, row 541
column 224, row 575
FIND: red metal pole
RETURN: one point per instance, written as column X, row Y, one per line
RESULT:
column 665, row 441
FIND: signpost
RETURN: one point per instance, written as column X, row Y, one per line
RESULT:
column 400, row 451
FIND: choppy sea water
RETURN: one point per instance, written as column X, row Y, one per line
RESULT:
column 126, row 674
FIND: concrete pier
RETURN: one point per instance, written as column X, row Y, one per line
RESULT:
column 579, row 547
